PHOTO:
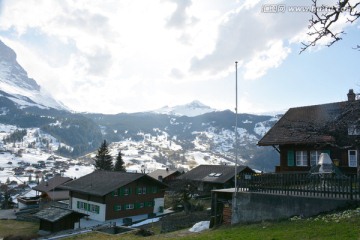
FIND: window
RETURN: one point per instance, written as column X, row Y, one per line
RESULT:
column 139, row 205
column 117, row 207
column 126, row 191
column 88, row 207
column 141, row 190
column 115, row 193
column 154, row 189
column 352, row 157
column 94, row 208
column 149, row 204
column 314, row 157
column 301, row 158
column 129, row 206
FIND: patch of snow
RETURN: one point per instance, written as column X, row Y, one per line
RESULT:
column 147, row 221
column 200, row 226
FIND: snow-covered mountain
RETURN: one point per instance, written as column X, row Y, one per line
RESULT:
column 180, row 136
column 19, row 88
column 195, row 108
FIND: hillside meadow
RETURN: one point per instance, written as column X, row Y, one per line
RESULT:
column 341, row 225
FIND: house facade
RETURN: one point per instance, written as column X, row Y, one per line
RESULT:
column 104, row 195
column 303, row 133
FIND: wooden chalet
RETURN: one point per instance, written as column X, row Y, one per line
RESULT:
column 165, row 175
column 303, row 133
column 105, row 195
column 209, row 177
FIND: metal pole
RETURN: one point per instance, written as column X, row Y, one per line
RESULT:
column 236, row 126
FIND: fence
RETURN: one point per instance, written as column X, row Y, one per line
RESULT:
column 303, row 184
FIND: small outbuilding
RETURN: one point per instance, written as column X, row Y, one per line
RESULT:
column 54, row 219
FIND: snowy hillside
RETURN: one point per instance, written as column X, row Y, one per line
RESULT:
column 195, row 108
column 18, row 87
column 33, row 159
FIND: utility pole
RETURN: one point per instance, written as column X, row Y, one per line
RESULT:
column 236, row 126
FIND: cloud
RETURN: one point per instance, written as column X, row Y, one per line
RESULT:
column 151, row 52
column 262, row 61
column 246, row 34
column 180, row 18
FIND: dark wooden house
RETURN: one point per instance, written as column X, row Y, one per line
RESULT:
column 209, row 177
column 55, row 219
column 105, row 195
column 303, row 133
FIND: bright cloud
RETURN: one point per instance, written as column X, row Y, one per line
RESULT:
column 112, row 56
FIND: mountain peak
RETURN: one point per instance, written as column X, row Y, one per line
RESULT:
column 14, row 81
column 197, row 104
column 191, row 109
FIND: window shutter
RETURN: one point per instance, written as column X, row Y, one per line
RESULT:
column 137, row 205
column 290, row 158
column 138, row 190
column 129, row 190
column 78, row 204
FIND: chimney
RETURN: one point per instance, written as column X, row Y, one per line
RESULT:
column 351, row 95
column 167, row 169
column 160, row 178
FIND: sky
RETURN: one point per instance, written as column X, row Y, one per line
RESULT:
column 115, row 56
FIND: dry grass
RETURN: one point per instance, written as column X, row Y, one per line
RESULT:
column 18, row 228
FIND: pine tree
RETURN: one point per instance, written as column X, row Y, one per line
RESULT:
column 119, row 164
column 103, row 160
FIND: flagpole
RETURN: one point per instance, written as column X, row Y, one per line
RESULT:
column 236, row 126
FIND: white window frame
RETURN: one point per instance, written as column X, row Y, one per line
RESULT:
column 314, row 157
column 352, row 161
column 301, row 158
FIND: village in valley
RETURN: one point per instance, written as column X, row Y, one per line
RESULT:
column 67, row 196
column 86, row 152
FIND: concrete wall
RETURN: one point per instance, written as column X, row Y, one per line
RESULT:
column 255, row 207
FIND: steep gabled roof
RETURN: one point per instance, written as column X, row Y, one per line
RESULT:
column 301, row 125
column 213, row 173
column 163, row 172
column 100, row 183
column 51, row 184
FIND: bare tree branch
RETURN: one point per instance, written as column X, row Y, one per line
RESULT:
column 324, row 18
